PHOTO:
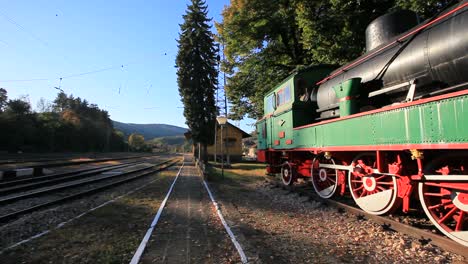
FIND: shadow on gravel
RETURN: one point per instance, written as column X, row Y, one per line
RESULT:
column 107, row 235
column 278, row 227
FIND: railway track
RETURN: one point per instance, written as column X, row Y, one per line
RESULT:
column 19, row 160
column 36, row 182
column 423, row 236
column 9, row 170
column 95, row 184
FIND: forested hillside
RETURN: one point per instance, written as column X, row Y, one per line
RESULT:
column 149, row 131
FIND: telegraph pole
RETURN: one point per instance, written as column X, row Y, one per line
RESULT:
column 228, row 160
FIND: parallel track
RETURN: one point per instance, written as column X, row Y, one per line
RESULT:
column 35, row 165
column 36, row 182
column 423, row 236
column 139, row 174
column 20, row 160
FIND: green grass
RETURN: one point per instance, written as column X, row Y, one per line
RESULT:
column 238, row 172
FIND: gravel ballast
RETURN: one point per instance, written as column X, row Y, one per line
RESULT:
column 283, row 227
column 139, row 206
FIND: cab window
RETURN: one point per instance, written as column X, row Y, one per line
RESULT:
column 270, row 103
column 283, row 96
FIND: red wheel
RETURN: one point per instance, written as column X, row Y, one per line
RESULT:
column 287, row 174
column 444, row 196
column 373, row 192
column 324, row 180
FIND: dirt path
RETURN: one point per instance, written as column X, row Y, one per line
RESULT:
column 189, row 230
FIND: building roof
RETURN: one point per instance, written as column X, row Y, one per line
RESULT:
column 244, row 134
column 188, row 134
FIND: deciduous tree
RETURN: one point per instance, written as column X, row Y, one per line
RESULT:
column 136, row 141
column 3, row 99
column 265, row 40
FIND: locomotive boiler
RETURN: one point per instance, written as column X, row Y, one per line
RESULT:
column 389, row 129
column 433, row 55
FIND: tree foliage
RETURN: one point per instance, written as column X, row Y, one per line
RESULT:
column 3, row 99
column 72, row 125
column 196, row 72
column 267, row 39
column 136, row 141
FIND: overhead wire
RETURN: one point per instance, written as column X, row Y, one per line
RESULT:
column 9, row 19
column 4, row 42
column 91, row 72
column 45, row 43
column 66, row 76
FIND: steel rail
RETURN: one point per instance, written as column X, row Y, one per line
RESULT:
column 35, row 165
column 425, row 236
column 71, row 185
column 51, row 176
column 10, row 216
column 64, row 177
column 11, row 161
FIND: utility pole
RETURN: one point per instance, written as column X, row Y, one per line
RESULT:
column 228, row 161
column 223, row 107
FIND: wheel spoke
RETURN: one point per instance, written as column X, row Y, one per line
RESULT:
column 373, row 192
column 363, row 194
column 324, row 180
column 439, row 205
column 331, row 180
column 460, row 221
column 445, row 201
column 449, row 214
column 381, row 188
column 359, row 188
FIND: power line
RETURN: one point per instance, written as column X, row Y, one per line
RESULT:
column 32, row 35
column 27, row 80
column 67, row 76
column 9, row 19
column 4, row 42
column 91, row 72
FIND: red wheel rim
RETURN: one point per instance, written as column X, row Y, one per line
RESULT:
column 446, row 202
column 287, row 174
column 324, row 180
column 372, row 191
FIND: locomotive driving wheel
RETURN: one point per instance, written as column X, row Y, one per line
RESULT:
column 324, row 180
column 287, row 174
column 373, row 192
column 445, row 201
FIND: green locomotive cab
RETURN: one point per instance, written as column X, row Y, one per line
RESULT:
column 289, row 105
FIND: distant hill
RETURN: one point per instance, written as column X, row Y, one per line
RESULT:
column 169, row 140
column 150, row 131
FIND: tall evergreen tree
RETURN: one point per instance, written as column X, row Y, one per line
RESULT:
column 196, row 73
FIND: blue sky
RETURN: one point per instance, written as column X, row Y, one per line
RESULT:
column 58, row 38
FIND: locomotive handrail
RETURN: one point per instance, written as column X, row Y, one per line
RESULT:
column 388, row 89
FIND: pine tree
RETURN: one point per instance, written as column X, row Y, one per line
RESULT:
column 196, row 73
